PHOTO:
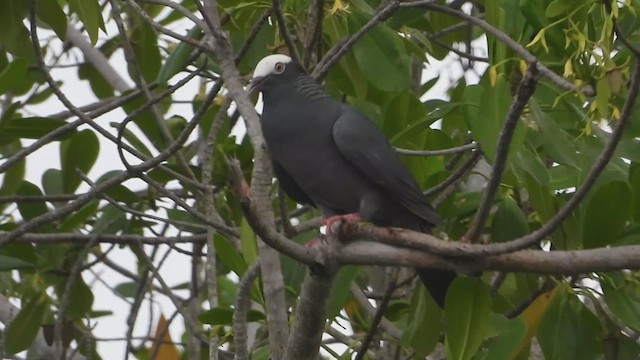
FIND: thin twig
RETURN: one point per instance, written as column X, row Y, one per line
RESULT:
column 450, row 151
column 284, row 31
column 457, row 175
column 382, row 306
column 342, row 47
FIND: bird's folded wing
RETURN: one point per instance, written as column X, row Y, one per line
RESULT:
column 364, row 145
column 290, row 187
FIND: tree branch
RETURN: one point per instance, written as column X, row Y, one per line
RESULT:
column 241, row 307
column 312, row 30
column 311, row 316
column 284, row 31
column 450, row 151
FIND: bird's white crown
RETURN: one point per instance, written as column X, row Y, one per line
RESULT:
column 267, row 64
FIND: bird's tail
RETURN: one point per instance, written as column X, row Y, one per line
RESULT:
column 435, row 280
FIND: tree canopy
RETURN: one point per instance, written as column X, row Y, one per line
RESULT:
column 531, row 157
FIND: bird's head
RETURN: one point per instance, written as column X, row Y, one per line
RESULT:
column 272, row 70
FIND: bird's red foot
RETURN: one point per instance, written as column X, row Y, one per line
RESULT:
column 311, row 243
column 328, row 222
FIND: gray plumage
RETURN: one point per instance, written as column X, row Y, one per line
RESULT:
column 328, row 155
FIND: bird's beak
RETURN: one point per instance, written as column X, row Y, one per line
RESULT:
column 254, row 84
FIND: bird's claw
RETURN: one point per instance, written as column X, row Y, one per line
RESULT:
column 330, row 221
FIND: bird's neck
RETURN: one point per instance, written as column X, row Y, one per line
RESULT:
column 309, row 88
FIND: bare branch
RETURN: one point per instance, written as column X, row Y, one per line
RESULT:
column 311, row 316
column 274, row 293
column 241, row 307
column 312, row 30
column 284, row 31
column 457, row 175
column 454, row 150
column 529, row 261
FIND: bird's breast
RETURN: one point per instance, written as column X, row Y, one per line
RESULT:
column 300, row 139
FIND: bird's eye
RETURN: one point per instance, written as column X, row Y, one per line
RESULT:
column 279, row 68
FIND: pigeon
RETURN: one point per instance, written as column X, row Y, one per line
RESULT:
column 328, row 155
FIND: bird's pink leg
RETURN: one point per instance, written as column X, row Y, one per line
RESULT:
column 328, row 222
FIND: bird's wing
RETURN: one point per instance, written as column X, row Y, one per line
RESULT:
column 363, row 145
column 290, row 187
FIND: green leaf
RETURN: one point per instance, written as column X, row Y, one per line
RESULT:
column 509, row 222
column 22, row 331
column 8, row 263
column 634, row 180
column 423, row 323
column 51, row 13
column 79, row 153
column 14, row 35
column 144, row 41
column 30, row 210
column 556, row 142
column 467, row 309
column 228, row 255
column 30, row 128
column 178, row 59
column 381, row 48
column 12, row 178
column 90, row 14
column 13, row 75
column 607, row 211
column 111, row 221
column 567, row 331
column 509, row 334
column 52, row 182
column 99, row 85
column 340, row 294
column 81, row 299
column 492, row 111
column 79, row 218
column 224, row 316
column 622, row 296
column 127, row 289
column 248, row 242
column 529, row 162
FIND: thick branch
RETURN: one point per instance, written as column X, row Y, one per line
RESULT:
column 311, row 316
column 529, row 261
column 242, row 303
